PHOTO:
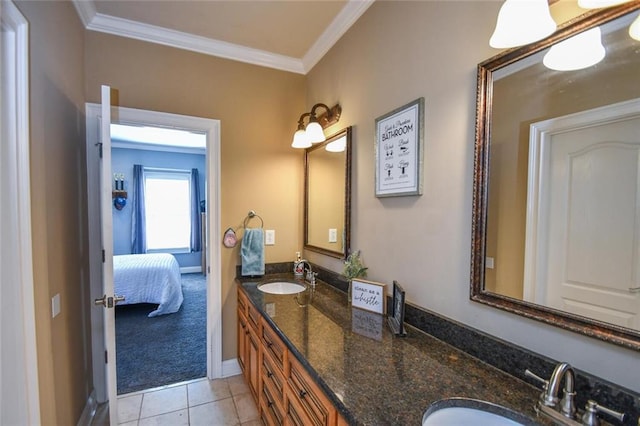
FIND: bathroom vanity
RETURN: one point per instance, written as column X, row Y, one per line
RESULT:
column 321, row 361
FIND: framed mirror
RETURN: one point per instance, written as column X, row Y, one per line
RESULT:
column 327, row 195
column 556, row 198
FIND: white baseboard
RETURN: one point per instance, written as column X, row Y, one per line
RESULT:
column 231, row 367
column 190, row 269
column 89, row 410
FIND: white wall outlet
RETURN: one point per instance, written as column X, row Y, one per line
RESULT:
column 488, row 262
column 270, row 237
column 333, row 235
column 55, row 305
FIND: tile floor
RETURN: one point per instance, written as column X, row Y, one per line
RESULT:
column 198, row 402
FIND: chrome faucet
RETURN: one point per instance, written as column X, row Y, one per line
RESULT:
column 567, row 404
column 565, row 412
column 309, row 275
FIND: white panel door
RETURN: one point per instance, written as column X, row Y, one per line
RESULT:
column 591, row 205
column 106, row 220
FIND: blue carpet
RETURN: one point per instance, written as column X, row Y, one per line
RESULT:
column 167, row 349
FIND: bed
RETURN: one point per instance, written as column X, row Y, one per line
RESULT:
column 149, row 278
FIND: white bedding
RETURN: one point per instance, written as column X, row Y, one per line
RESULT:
column 149, row 278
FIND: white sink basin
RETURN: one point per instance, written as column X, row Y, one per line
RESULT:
column 282, row 287
column 466, row 411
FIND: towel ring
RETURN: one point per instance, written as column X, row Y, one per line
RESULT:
column 250, row 216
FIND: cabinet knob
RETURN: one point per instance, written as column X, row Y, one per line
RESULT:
column 303, row 393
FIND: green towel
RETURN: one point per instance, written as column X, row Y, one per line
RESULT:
column 252, row 252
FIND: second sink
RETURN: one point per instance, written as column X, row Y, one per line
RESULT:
column 467, row 411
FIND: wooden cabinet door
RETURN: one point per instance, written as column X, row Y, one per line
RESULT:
column 243, row 331
column 253, row 362
column 303, row 391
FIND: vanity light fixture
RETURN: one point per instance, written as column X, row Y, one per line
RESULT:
column 522, row 22
column 304, row 137
column 580, row 51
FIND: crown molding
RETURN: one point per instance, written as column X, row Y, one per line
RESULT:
column 154, row 34
column 342, row 22
column 86, row 10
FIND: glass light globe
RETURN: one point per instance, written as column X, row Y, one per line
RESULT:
column 522, row 22
column 300, row 140
column 315, row 133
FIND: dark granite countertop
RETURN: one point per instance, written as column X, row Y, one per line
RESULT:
column 373, row 377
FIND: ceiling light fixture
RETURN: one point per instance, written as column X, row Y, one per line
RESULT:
column 304, row 137
column 580, row 51
column 522, row 22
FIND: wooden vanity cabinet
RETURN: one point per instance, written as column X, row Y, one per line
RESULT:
column 283, row 390
column 248, row 343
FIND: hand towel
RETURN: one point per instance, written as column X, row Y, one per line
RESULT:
column 252, row 252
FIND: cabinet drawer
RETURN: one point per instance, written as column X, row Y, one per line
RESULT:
column 309, row 396
column 270, row 407
column 273, row 376
column 253, row 316
column 242, row 302
column 273, row 346
column 295, row 414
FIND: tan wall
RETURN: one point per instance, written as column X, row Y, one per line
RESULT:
column 58, row 201
column 258, row 109
column 396, row 52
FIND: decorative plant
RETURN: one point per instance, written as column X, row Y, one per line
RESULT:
column 353, row 267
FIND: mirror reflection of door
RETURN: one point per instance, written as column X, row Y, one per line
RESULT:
column 584, row 215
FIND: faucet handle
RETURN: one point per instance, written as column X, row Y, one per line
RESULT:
column 529, row 373
column 590, row 416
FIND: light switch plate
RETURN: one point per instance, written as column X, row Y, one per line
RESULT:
column 270, row 237
column 488, row 263
column 333, row 235
column 55, row 305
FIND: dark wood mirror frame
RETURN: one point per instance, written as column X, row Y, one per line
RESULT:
column 607, row 332
column 347, row 193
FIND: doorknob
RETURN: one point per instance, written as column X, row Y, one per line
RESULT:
column 108, row 302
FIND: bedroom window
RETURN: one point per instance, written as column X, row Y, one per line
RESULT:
column 167, row 205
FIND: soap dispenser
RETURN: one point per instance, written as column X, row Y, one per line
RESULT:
column 298, row 266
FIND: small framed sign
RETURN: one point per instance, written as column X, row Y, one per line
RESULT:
column 399, row 144
column 368, row 295
column 396, row 320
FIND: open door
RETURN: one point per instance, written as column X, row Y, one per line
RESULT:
column 109, row 299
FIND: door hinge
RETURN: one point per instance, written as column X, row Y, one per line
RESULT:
column 103, row 256
column 106, row 357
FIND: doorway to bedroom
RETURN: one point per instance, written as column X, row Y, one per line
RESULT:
column 159, row 236
column 191, row 334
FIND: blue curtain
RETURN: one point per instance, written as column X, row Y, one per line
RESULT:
column 196, row 244
column 138, row 223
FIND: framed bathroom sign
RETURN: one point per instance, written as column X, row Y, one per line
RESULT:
column 399, row 143
column 368, row 295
